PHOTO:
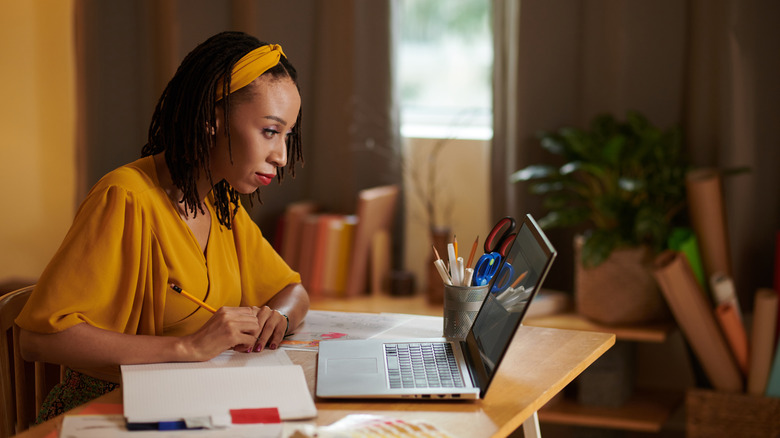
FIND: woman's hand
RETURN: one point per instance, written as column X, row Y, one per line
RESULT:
column 273, row 327
column 236, row 328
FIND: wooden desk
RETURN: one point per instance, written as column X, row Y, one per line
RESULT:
column 539, row 363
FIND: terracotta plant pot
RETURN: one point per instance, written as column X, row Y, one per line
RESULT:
column 621, row 290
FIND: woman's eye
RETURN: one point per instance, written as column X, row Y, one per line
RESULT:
column 270, row 132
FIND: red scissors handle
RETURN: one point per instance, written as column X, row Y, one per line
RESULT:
column 500, row 236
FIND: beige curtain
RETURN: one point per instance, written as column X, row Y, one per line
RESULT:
column 710, row 65
column 129, row 49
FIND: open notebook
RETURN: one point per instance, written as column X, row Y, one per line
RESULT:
column 208, row 391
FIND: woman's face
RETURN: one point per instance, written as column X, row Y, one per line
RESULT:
column 260, row 121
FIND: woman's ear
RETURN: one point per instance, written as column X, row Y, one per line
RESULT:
column 219, row 116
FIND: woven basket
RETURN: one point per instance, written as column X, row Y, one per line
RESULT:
column 621, row 290
column 714, row 414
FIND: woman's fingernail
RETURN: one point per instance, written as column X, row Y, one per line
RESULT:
column 272, row 346
column 258, row 347
column 249, row 350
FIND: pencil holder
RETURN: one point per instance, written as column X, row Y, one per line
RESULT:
column 461, row 304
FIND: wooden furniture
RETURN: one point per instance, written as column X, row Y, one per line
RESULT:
column 714, row 414
column 539, row 363
column 416, row 305
column 23, row 385
column 645, row 411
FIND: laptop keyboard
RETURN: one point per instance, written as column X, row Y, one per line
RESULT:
column 422, row 365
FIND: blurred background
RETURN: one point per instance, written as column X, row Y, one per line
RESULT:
column 392, row 90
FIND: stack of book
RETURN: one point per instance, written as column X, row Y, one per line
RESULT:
column 695, row 277
column 336, row 254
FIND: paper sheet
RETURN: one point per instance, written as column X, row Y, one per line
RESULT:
column 227, row 359
column 696, row 319
column 762, row 340
column 113, row 426
column 321, row 325
column 708, row 216
column 734, row 330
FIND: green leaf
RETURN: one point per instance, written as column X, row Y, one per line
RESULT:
column 553, row 144
column 613, row 149
column 543, row 188
column 597, row 247
column 534, row 171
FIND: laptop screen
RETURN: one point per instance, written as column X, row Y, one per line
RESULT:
column 511, row 291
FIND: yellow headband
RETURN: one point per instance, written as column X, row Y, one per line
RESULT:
column 251, row 66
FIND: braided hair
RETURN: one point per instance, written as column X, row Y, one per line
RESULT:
column 185, row 114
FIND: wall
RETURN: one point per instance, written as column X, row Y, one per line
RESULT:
column 463, row 195
column 37, row 153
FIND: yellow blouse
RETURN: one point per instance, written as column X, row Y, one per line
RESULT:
column 127, row 243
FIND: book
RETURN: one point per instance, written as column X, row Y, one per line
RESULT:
column 291, row 234
column 696, row 319
column 340, row 237
column 762, row 340
column 375, row 212
column 209, row 391
column 324, row 242
column 307, row 243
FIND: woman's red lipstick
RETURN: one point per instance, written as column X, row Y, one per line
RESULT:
column 265, row 178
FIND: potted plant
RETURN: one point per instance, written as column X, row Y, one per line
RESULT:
column 623, row 183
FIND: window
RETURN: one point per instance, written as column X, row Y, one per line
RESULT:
column 444, row 68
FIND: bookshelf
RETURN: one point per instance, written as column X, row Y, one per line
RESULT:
column 644, row 411
column 378, row 303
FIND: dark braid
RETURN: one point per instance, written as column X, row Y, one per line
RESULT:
column 185, row 114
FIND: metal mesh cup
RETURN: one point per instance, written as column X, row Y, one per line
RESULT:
column 461, row 304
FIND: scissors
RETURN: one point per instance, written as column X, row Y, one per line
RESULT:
column 497, row 244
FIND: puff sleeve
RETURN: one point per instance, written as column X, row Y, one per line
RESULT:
column 102, row 274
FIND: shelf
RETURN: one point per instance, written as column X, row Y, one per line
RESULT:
column 646, row 411
column 652, row 332
column 415, row 304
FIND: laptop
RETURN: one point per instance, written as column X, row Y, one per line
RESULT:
column 456, row 368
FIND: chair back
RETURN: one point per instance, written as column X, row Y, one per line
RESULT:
column 23, row 385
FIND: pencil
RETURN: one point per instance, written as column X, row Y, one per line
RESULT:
column 184, row 293
column 436, row 252
column 519, row 279
column 473, row 251
column 455, row 243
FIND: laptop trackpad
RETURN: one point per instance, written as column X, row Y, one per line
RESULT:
column 356, row 365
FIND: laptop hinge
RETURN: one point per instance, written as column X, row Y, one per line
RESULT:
column 469, row 363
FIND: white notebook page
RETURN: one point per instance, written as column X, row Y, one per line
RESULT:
column 175, row 391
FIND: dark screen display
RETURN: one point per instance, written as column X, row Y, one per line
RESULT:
column 510, row 293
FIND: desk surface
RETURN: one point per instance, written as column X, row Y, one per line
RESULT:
column 539, row 363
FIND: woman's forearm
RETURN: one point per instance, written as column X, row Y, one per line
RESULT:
column 84, row 345
column 292, row 301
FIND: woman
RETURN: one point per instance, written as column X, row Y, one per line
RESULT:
column 225, row 125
